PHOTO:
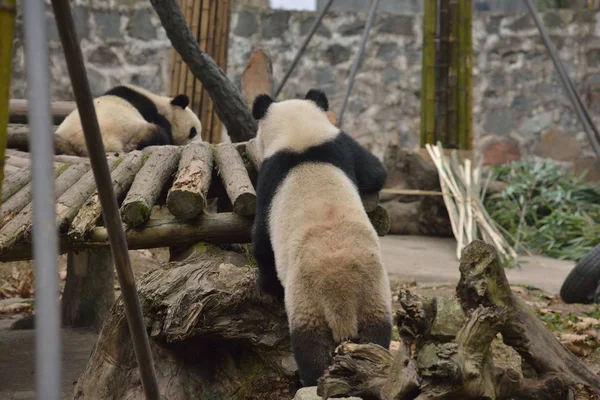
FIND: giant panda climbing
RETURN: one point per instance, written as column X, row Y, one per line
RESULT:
column 312, row 239
column 131, row 118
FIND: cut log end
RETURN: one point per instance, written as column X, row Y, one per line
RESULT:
column 245, row 204
column 185, row 204
column 135, row 213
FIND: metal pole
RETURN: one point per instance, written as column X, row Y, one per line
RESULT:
column 45, row 242
column 357, row 60
column 312, row 31
column 110, row 208
column 580, row 108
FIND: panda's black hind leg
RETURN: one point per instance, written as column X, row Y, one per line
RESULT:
column 313, row 353
column 376, row 332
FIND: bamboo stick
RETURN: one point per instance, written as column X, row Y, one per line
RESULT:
column 183, row 67
column 207, row 103
column 195, row 28
column 464, row 70
column 148, row 185
column 453, row 75
column 191, row 19
column 441, row 74
column 8, row 11
column 91, row 211
column 428, row 74
column 187, row 197
column 235, row 179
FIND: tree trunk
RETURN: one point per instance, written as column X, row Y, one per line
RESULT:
column 213, row 333
column 89, row 289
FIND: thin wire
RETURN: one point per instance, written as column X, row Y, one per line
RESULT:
column 311, row 32
column 358, row 59
column 45, row 242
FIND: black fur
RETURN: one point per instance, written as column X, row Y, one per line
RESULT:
column 319, row 98
column 261, row 105
column 362, row 167
column 148, row 111
column 313, row 352
column 181, row 100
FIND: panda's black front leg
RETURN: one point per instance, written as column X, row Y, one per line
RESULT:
column 265, row 258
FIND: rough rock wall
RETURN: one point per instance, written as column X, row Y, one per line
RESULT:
column 520, row 110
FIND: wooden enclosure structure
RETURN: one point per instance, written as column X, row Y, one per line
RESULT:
column 182, row 178
column 209, row 21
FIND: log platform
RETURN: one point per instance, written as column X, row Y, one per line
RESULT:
column 164, row 192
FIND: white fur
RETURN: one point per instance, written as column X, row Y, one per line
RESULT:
column 327, row 253
column 120, row 123
column 294, row 125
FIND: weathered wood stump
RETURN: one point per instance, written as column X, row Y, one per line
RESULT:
column 213, row 333
column 446, row 347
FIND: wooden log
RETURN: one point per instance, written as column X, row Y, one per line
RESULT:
column 10, row 169
column 148, row 184
column 71, row 201
column 89, row 289
column 211, row 304
column 17, row 137
column 91, row 211
column 15, row 182
column 483, row 281
column 187, row 197
column 18, row 229
column 13, row 205
column 228, row 103
column 221, row 228
column 235, row 179
column 18, row 110
column 17, row 162
column 60, row 158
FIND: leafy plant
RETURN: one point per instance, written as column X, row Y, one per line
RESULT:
column 545, row 210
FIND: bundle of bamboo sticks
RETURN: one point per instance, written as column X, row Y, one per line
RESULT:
column 463, row 190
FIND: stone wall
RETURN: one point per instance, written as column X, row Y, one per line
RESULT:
column 520, row 110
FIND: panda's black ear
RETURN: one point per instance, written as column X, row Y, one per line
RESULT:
column 181, row 100
column 261, row 105
column 318, row 97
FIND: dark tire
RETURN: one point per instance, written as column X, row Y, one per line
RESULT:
column 582, row 282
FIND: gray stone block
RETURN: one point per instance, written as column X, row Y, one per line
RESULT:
column 140, row 26
column 247, row 24
column 499, row 121
column 108, row 24
column 397, row 25
column 276, row 24
column 337, row 54
column 321, row 30
column 81, row 19
column 388, row 51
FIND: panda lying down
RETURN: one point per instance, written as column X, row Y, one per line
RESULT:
column 131, row 118
column 314, row 244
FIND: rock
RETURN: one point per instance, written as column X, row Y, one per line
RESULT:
column 307, row 24
column 310, row 393
column 388, row 51
column 140, row 26
column 397, row 25
column 276, row 24
column 147, row 81
column 81, row 19
column 536, row 124
column 247, row 25
column 108, row 24
column 324, row 76
column 337, row 54
column 521, row 24
column 493, row 24
column 52, row 29
column 501, row 153
column 104, row 56
column 554, row 20
column 499, row 121
column 558, row 146
column 391, row 75
column 589, row 164
column 522, row 103
column 592, row 57
column 497, row 80
column 98, row 83
column 353, row 28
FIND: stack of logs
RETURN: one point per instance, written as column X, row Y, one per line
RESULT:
column 142, row 179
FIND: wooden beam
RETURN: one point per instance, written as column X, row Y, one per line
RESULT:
column 18, row 109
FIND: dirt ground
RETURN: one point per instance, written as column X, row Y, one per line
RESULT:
column 577, row 326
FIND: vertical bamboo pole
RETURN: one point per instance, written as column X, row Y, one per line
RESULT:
column 428, row 74
column 207, row 104
column 465, row 81
column 441, row 73
column 7, row 29
column 221, row 50
column 452, row 139
column 183, row 67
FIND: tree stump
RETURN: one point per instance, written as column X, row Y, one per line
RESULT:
column 212, row 331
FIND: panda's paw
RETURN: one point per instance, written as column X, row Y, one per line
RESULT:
column 272, row 288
